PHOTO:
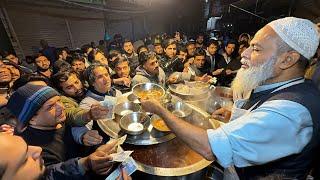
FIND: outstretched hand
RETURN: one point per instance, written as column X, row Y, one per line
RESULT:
column 151, row 105
column 100, row 161
column 97, row 111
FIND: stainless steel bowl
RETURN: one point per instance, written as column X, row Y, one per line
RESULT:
column 126, row 108
column 180, row 109
column 163, row 128
column 132, row 119
column 197, row 84
column 220, row 97
column 147, row 87
column 222, row 91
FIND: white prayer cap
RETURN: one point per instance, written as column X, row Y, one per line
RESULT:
column 299, row 34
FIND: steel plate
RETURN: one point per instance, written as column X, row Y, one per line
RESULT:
column 151, row 136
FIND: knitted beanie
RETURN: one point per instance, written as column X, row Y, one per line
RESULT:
column 27, row 100
column 299, row 34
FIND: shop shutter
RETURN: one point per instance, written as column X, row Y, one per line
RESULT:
column 85, row 31
column 124, row 27
column 31, row 27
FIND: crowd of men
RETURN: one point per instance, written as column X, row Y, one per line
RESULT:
column 51, row 100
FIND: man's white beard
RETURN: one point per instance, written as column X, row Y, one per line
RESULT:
column 248, row 79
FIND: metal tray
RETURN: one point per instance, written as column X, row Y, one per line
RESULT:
column 150, row 137
column 173, row 158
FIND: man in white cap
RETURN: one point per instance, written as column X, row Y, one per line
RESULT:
column 275, row 132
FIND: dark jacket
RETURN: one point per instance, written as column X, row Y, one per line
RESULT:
column 65, row 170
column 223, row 78
column 122, row 88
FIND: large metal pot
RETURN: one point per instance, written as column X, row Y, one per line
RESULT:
column 220, row 96
column 190, row 91
column 222, row 91
column 195, row 96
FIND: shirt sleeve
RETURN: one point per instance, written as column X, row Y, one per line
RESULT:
column 78, row 132
column 276, row 129
column 65, row 170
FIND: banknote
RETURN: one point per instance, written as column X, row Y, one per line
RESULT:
column 129, row 165
column 109, row 103
column 119, row 142
column 121, row 156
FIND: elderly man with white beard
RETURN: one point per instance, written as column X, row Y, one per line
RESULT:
column 274, row 132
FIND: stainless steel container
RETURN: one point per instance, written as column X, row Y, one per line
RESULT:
column 124, row 108
column 189, row 93
column 220, row 96
column 199, row 98
column 147, row 88
column 133, row 118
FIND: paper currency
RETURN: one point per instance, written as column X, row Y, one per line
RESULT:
column 121, row 140
column 117, row 148
column 121, row 156
column 114, row 175
column 129, row 165
column 109, row 102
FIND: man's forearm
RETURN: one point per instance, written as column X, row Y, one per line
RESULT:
column 78, row 116
column 195, row 137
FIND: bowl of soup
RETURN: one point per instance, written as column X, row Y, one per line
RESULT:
column 158, row 123
column 148, row 91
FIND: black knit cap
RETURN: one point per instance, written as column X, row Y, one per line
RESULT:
column 27, row 100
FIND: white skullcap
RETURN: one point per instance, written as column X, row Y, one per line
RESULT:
column 299, row 34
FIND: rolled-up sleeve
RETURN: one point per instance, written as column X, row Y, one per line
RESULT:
column 276, row 129
column 220, row 146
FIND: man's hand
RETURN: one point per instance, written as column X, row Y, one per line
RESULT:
column 6, row 129
column 205, row 78
column 3, row 101
column 229, row 71
column 173, row 78
column 98, row 112
column 91, row 138
column 222, row 114
column 126, row 82
column 217, row 72
column 99, row 161
column 151, row 105
column 123, row 175
column 122, row 81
